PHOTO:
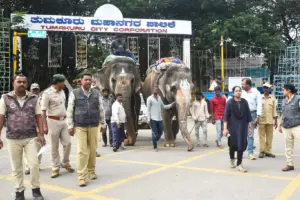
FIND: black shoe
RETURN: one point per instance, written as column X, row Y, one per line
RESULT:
column 262, row 155
column 36, row 193
column 115, row 149
column 270, row 155
column 20, row 195
column 27, row 172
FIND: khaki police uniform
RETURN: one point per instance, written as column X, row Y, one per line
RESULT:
column 53, row 102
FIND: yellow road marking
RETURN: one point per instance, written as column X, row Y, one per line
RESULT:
column 90, row 197
column 289, row 189
column 122, row 152
column 3, row 157
column 135, row 162
column 50, row 166
column 75, row 194
column 282, row 154
column 236, row 173
column 204, row 169
column 144, row 174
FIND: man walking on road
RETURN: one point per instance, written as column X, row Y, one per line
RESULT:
column 118, row 120
column 53, row 107
column 290, row 123
column 266, row 123
column 217, row 108
column 107, row 106
column 85, row 114
column 34, row 89
column 23, row 114
column 200, row 115
column 253, row 97
column 154, row 106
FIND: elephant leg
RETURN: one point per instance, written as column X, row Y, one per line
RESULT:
column 175, row 127
column 169, row 136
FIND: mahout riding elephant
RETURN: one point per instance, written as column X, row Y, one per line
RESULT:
column 121, row 75
column 175, row 84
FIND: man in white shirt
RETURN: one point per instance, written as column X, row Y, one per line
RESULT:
column 254, row 99
column 154, row 105
column 118, row 120
column 226, row 95
column 200, row 115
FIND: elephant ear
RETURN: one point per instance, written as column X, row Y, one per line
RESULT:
column 101, row 80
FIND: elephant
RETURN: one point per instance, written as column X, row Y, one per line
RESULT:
column 122, row 76
column 174, row 84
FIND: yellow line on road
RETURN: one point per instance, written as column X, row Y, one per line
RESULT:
column 3, row 157
column 203, row 169
column 89, row 197
column 135, row 162
column 49, row 187
column 123, row 152
column 144, row 174
column 289, row 189
column 75, row 194
column 236, row 173
column 282, row 154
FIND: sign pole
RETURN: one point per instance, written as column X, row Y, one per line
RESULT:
column 222, row 63
column 15, row 46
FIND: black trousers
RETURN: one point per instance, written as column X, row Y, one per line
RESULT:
column 239, row 155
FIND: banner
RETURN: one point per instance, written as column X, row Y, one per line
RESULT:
column 81, row 51
column 54, row 51
column 94, row 24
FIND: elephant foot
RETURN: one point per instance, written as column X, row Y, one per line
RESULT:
column 170, row 144
column 128, row 142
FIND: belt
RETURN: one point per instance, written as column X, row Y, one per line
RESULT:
column 253, row 111
column 57, row 118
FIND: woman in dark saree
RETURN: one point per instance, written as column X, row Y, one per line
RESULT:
column 237, row 126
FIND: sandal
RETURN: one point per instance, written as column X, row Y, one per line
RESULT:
column 288, row 168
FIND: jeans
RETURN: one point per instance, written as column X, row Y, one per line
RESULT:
column 118, row 134
column 220, row 128
column 251, row 138
column 157, row 131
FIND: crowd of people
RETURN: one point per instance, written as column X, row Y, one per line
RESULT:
column 237, row 118
column 90, row 116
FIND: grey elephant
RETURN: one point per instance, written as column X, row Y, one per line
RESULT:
column 175, row 84
column 122, row 76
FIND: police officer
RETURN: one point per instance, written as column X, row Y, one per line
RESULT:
column 21, row 134
column 34, row 89
column 54, row 118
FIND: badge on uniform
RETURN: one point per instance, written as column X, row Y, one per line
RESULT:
column 12, row 105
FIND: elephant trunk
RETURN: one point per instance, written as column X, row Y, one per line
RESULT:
column 183, row 101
